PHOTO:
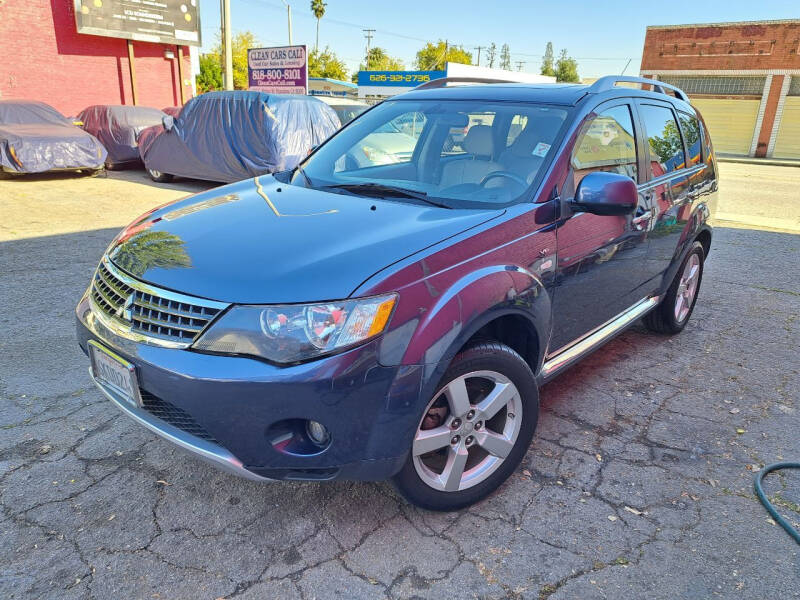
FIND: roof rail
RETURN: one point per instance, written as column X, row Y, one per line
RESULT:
column 443, row 81
column 609, row 81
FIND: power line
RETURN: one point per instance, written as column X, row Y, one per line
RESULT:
column 520, row 64
column 386, row 32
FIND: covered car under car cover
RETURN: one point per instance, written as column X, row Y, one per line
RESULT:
column 35, row 138
column 118, row 128
column 229, row 136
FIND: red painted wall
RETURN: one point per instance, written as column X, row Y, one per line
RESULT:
column 43, row 57
column 762, row 45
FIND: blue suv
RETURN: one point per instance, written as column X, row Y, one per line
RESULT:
column 393, row 317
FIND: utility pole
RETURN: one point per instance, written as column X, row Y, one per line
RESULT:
column 520, row 64
column 479, row 48
column 226, row 44
column 368, row 33
column 289, row 19
column 444, row 58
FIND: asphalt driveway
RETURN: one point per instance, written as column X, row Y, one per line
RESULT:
column 638, row 484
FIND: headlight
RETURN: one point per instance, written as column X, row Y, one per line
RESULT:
column 296, row 332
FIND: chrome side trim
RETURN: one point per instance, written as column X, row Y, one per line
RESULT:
column 212, row 453
column 571, row 354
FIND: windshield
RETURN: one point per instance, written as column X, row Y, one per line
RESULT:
column 348, row 112
column 453, row 153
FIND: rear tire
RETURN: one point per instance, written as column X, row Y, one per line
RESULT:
column 476, row 428
column 674, row 310
column 158, row 176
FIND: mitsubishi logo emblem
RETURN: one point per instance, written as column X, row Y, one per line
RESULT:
column 124, row 310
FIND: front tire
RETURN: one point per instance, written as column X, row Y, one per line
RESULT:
column 672, row 314
column 158, row 176
column 474, row 432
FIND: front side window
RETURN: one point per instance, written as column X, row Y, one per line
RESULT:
column 451, row 153
column 664, row 139
column 607, row 142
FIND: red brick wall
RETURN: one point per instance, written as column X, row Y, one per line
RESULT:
column 736, row 46
column 42, row 57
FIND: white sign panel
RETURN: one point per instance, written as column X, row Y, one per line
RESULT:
column 281, row 70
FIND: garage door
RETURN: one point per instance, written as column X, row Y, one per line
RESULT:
column 731, row 123
column 787, row 144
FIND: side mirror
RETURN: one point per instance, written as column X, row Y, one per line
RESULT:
column 608, row 194
column 168, row 121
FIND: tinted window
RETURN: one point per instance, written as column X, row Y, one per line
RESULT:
column 664, row 138
column 607, row 142
column 708, row 150
column 691, row 132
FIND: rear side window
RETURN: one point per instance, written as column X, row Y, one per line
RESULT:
column 607, row 142
column 664, row 139
column 690, row 127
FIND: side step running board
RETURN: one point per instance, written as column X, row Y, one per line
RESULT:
column 597, row 338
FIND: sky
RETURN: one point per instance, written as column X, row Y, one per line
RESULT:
column 602, row 36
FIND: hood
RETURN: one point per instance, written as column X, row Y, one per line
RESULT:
column 260, row 241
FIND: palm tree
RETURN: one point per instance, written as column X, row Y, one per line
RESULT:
column 318, row 8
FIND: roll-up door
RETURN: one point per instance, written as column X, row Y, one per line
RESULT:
column 731, row 122
column 787, row 142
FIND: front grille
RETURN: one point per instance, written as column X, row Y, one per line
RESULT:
column 177, row 417
column 146, row 312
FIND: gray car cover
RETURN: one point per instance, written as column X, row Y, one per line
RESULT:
column 35, row 138
column 118, row 128
column 229, row 136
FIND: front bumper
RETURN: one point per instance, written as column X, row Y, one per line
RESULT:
column 370, row 410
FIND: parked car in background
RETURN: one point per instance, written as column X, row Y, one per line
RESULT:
column 118, row 128
column 396, row 319
column 346, row 109
column 35, row 137
column 228, row 136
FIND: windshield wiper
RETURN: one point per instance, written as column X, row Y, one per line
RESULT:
column 299, row 169
column 381, row 190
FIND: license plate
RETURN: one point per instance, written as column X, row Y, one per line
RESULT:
column 115, row 372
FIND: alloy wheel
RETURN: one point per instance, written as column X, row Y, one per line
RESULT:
column 467, row 431
column 687, row 288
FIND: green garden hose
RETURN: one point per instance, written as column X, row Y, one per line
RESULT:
column 767, row 504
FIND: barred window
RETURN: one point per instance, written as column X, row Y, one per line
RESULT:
column 709, row 84
column 794, row 86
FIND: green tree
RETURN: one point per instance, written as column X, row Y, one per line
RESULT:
column 326, row 64
column 548, row 61
column 210, row 76
column 379, row 60
column 491, row 54
column 505, row 58
column 318, row 8
column 434, row 56
column 566, row 69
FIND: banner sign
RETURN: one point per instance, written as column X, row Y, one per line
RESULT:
column 398, row 78
column 159, row 21
column 281, row 70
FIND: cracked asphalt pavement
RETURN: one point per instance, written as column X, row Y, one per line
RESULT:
column 638, row 483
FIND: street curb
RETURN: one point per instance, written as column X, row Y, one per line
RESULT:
column 775, row 162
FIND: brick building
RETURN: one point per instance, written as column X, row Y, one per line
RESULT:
column 743, row 77
column 43, row 57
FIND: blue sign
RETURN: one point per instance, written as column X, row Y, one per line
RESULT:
column 398, row 78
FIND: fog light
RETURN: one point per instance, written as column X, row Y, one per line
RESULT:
column 318, row 433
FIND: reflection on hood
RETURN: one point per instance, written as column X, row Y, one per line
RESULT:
column 148, row 249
